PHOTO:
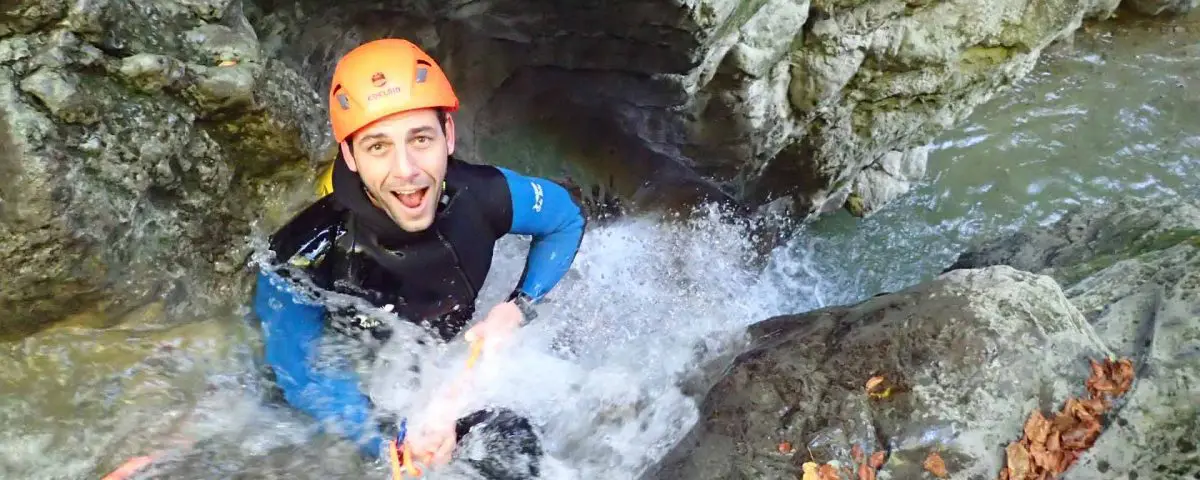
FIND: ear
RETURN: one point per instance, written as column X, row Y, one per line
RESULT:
column 349, row 157
column 449, row 134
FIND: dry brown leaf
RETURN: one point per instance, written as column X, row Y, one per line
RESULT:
column 1103, row 385
column 1042, row 457
column 1081, row 437
column 856, row 453
column 1109, row 379
column 1068, row 459
column 865, row 472
column 1052, row 442
column 1095, row 406
column 1098, row 370
column 874, row 382
column 877, row 460
column 1123, row 375
column 828, row 472
column 1018, row 460
column 1080, row 410
column 1048, row 448
column 935, row 465
column 1037, row 428
column 1063, row 420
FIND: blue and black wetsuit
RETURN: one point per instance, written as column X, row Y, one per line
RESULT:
column 345, row 244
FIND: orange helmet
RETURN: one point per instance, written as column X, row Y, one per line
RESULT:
column 383, row 77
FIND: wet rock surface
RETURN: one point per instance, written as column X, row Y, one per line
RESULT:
column 1089, row 240
column 972, row 353
column 139, row 140
column 1133, row 269
column 956, row 353
column 1161, row 7
column 814, row 101
column 142, row 138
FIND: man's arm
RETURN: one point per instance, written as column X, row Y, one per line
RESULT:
column 546, row 211
column 291, row 331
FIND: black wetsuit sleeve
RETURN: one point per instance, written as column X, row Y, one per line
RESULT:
column 307, row 236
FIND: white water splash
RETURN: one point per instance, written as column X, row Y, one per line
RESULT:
column 602, row 372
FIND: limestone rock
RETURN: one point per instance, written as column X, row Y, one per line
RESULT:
column 892, row 177
column 144, row 135
column 957, row 352
column 1133, row 269
column 767, row 98
column 1090, row 239
column 1148, row 308
column 134, row 162
column 1161, row 7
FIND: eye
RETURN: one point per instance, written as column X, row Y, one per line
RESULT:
column 377, row 148
column 422, row 140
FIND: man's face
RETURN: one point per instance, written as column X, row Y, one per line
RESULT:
column 402, row 161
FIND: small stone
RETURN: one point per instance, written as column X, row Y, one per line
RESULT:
column 86, row 17
column 152, row 72
column 222, row 87
column 217, row 44
column 13, row 49
column 23, row 16
column 854, row 205
column 60, row 93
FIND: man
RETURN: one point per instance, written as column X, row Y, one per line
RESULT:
column 409, row 229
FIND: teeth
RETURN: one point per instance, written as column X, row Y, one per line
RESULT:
column 409, row 190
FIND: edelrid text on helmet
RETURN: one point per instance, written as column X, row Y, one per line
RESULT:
column 381, row 78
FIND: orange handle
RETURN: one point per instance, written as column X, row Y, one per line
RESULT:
column 401, row 456
column 476, row 350
column 402, row 463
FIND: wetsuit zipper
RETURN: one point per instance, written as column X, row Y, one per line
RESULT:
column 458, row 266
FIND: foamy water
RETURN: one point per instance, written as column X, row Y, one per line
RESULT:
column 603, row 371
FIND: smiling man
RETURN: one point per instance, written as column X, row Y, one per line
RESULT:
column 409, row 229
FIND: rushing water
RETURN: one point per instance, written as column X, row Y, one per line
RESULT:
column 602, row 371
column 1117, row 116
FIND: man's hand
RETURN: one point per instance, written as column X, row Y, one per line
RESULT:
column 499, row 325
column 433, row 443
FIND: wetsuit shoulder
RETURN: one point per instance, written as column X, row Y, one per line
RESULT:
column 487, row 186
column 309, row 233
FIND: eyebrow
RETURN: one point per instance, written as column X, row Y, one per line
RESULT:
column 384, row 136
column 373, row 136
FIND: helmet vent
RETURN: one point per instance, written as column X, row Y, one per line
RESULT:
column 342, row 99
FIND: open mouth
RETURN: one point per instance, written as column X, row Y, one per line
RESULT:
column 411, row 197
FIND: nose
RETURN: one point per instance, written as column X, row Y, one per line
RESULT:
column 404, row 165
